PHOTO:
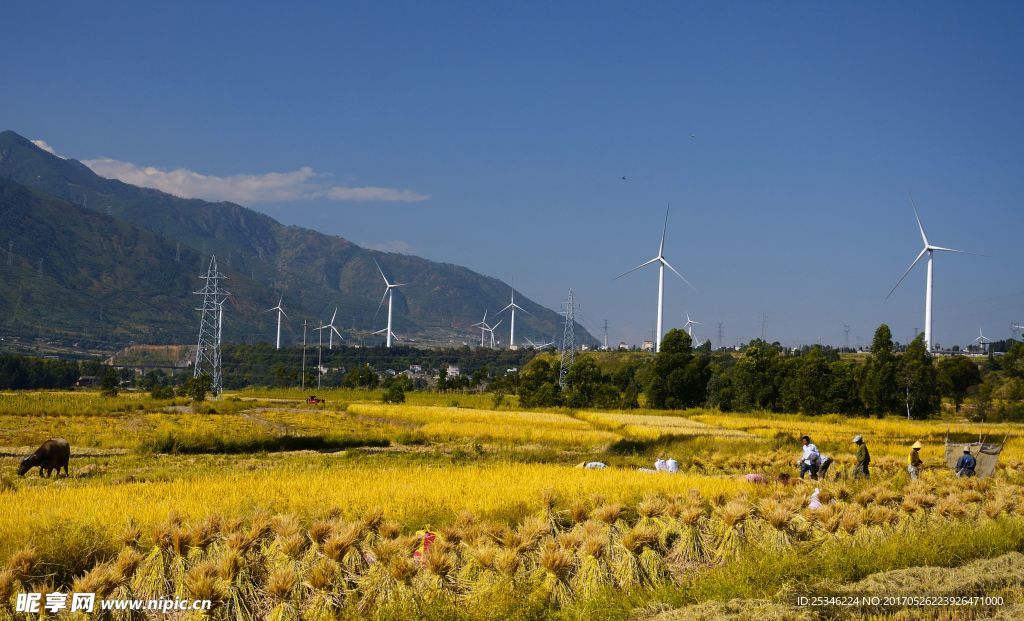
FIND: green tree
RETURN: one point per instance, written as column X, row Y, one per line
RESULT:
column 880, row 389
column 956, row 375
column 394, row 393
column 196, row 387
column 843, row 392
column 810, row 382
column 919, row 381
column 582, row 383
column 111, row 380
column 538, row 384
column 678, row 378
column 1013, row 361
column 757, row 377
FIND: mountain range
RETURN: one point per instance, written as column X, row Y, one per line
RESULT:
column 97, row 262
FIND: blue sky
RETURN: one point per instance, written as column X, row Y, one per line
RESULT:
column 786, row 137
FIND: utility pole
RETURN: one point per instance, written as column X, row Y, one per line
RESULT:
column 211, row 326
column 319, row 358
column 720, row 333
column 568, row 340
column 303, row 354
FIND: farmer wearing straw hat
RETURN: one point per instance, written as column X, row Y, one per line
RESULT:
column 914, row 461
column 863, row 459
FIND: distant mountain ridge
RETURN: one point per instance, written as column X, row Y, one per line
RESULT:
column 122, row 261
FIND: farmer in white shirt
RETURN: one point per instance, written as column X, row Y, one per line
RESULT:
column 810, row 460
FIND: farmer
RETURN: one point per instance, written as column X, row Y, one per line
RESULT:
column 914, row 461
column 826, row 463
column 863, row 459
column 966, row 464
column 810, row 460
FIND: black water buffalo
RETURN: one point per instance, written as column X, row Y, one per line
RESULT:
column 54, row 454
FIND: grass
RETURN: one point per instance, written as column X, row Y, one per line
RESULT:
column 255, row 499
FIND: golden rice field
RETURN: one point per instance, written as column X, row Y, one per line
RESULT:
column 276, row 509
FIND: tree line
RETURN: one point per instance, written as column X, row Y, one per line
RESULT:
column 767, row 377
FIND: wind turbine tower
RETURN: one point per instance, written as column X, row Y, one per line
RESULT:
column 929, row 249
column 389, row 294
column 482, row 324
column 983, row 340
column 332, row 330
column 280, row 313
column 688, row 326
column 512, row 331
column 662, row 264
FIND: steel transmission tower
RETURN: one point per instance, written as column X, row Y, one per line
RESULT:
column 568, row 340
column 721, row 331
column 210, row 327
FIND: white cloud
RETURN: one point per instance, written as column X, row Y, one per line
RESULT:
column 302, row 184
column 394, row 245
column 42, row 144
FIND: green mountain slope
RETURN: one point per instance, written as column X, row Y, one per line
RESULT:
column 164, row 242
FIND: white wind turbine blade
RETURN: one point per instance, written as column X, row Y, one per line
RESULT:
column 335, row 330
column 669, row 266
column 281, row 310
column 333, row 316
column 664, row 230
column 381, row 273
column 384, row 297
column 654, row 260
column 917, row 217
column 923, row 251
column 495, row 326
column 977, row 254
column 508, row 307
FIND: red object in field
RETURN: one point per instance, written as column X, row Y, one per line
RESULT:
column 426, row 540
column 313, row 400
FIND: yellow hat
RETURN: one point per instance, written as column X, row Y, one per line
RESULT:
column 917, row 445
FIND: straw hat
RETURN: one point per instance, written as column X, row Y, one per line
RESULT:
column 857, row 439
column 917, row 445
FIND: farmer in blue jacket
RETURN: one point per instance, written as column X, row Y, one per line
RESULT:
column 966, row 464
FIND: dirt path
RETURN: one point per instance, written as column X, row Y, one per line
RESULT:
column 273, row 425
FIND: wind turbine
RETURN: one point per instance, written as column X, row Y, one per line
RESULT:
column 389, row 294
column 280, row 312
column 491, row 329
column 514, row 307
column 928, row 249
column 482, row 324
column 982, row 339
column 333, row 330
column 662, row 264
column 688, row 326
